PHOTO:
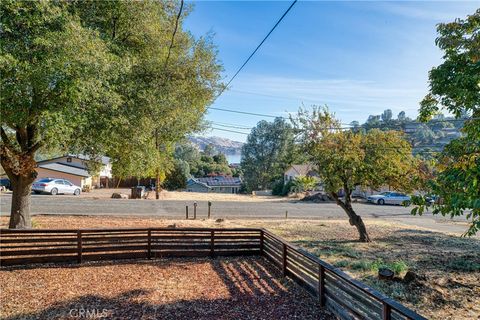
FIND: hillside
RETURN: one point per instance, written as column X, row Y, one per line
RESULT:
column 223, row 145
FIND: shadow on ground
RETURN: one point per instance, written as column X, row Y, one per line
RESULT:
column 254, row 291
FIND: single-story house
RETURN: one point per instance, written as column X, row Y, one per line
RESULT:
column 297, row 170
column 219, row 184
column 74, row 169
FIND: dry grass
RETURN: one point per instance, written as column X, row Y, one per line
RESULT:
column 447, row 285
column 188, row 196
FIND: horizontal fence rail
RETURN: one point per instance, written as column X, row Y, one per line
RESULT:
column 40, row 246
column 346, row 297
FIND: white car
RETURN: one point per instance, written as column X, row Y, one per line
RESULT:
column 390, row 198
column 55, row 186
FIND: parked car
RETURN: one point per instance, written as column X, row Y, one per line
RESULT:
column 55, row 186
column 390, row 198
column 5, row 184
column 431, row 199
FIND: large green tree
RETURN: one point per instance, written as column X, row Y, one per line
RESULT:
column 345, row 159
column 455, row 86
column 55, row 78
column 174, row 76
column 270, row 149
column 98, row 77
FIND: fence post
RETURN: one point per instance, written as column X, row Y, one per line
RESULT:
column 321, row 285
column 261, row 242
column 387, row 311
column 209, row 206
column 212, row 243
column 194, row 211
column 79, row 246
column 186, row 212
column 149, row 247
column 284, row 265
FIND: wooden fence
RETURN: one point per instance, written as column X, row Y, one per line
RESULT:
column 346, row 297
column 37, row 246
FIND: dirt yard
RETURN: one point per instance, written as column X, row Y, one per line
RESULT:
column 446, row 268
column 187, row 196
column 239, row 288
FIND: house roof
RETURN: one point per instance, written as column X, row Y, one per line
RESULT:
column 195, row 181
column 220, row 181
column 62, row 167
column 104, row 160
column 303, row 169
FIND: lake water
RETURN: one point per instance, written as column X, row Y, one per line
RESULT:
column 234, row 158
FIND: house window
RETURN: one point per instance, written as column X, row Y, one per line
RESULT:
column 69, row 159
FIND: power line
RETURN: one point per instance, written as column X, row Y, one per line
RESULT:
column 228, row 125
column 248, row 113
column 227, row 130
column 346, row 124
column 258, row 47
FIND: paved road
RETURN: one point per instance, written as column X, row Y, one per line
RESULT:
column 70, row 205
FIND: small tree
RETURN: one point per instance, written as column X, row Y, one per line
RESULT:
column 304, row 183
column 347, row 159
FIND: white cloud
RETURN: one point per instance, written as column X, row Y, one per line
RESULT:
column 356, row 97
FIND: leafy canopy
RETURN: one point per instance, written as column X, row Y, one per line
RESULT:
column 455, row 86
column 270, row 149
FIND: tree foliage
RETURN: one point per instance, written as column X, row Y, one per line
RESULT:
column 202, row 163
column 304, row 183
column 345, row 159
column 455, row 86
column 99, row 77
column 270, row 149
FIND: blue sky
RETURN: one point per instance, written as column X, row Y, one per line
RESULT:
column 359, row 58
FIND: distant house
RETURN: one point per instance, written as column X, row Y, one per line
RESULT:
column 297, row 170
column 74, row 169
column 218, row 184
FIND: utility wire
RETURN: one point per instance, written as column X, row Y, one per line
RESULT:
column 347, row 124
column 256, row 49
column 227, row 130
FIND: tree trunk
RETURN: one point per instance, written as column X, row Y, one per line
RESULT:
column 353, row 218
column 18, row 161
column 157, row 185
column 20, row 210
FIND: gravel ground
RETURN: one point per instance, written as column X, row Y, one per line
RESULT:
column 237, row 288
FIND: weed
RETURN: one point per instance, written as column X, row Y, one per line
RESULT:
column 463, row 264
column 341, row 263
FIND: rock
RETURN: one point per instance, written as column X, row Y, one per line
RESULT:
column 119, row 196
column 385, row 274
column 219, row 220
column 172, row 226
column 409, row 276
column 316, row 198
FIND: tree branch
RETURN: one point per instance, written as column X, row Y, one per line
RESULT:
column 6, row 140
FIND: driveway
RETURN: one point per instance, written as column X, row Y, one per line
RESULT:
column 175, row 209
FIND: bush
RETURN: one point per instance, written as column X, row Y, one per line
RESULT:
column 304, row 183
column 277, row 188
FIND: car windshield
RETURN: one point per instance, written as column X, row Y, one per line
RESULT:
column 45, row 180
column 385, row 193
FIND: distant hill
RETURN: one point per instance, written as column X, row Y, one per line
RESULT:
column 223, row 145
